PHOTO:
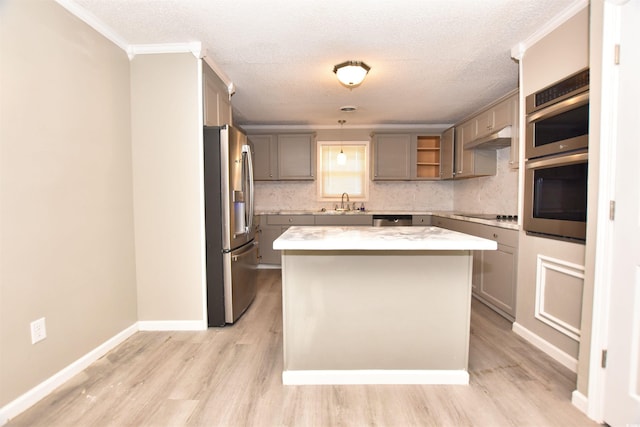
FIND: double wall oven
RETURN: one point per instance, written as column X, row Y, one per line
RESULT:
column 556, row 152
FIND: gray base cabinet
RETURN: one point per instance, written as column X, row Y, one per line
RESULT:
column 421, row 220
column 272, row 226
column 343, row 220
column 494, row 272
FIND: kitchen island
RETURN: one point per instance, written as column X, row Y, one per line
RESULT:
column 369, row 305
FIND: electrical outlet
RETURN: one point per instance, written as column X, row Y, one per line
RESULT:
column 38, row 330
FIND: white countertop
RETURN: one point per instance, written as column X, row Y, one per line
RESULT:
column 378, row 238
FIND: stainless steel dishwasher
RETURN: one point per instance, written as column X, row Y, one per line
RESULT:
column 392, row 220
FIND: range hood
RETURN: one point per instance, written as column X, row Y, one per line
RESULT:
column 496, row 140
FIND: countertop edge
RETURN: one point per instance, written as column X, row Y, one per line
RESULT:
column 358, row 238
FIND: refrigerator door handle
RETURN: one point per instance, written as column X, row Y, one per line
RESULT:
column 248, row 179
column 244, row 252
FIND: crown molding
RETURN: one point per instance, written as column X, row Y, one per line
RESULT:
column 91, row 20
column 216, row 69
column 194, row 48
column 517, row 51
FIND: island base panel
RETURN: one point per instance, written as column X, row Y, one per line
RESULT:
column 376, row 310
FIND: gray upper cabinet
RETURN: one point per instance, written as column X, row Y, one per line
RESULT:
column 504, row 112
column 391, row 159
column 447, row 158
column 284, row 156
column 472, row 162
column 265, row 148
column 406, row 156
column 296, row 157
column 217, row 103
column 492, row 119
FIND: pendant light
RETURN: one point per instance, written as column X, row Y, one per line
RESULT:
column 342, row 158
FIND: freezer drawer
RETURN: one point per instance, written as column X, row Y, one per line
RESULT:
column 241, row 289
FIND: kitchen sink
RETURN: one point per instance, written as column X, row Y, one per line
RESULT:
column 341, row 211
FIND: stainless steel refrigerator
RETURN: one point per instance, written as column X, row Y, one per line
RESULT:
column 231, row 249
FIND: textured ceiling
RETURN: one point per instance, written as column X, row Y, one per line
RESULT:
column 432, row 61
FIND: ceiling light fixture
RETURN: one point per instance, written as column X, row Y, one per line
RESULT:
column 351, row 73
column 342, row 158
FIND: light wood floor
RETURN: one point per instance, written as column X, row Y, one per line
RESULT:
column 232, row 377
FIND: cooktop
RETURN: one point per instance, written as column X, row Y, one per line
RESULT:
column 499, row 217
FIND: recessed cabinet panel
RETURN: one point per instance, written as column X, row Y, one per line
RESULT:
column 217, row 106
column 502, row 113
column 296, row 157
column 269, row 233
column 265, row 160
column 472, row 162
column 447, row 158
column 498, row 273
column 392, row 157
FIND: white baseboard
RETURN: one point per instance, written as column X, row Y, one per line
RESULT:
column 172, row 325
column 333, row 377
column 554, row 352
column 31, row 397
column 580, row 401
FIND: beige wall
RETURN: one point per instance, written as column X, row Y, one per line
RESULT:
column 167, row 186
column 562, row 52
column 67, row 251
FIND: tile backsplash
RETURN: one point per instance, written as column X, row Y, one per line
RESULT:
column 493, row 194
column 490, row 194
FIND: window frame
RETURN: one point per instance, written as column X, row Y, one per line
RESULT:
column 320, row 171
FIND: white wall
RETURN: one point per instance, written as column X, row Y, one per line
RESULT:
column 66, row 227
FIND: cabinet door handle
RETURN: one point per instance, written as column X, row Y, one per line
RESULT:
column 495, row 236
column 290, row 219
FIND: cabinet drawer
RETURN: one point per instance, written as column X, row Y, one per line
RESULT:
column 501, row 235
column 339, row 220
column 290, row 220
column 421, row 220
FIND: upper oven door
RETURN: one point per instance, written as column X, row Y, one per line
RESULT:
column 558, row 128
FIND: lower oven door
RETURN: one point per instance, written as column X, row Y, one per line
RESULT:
column 555, row 196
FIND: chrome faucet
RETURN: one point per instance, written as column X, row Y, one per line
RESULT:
column 342, row 201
